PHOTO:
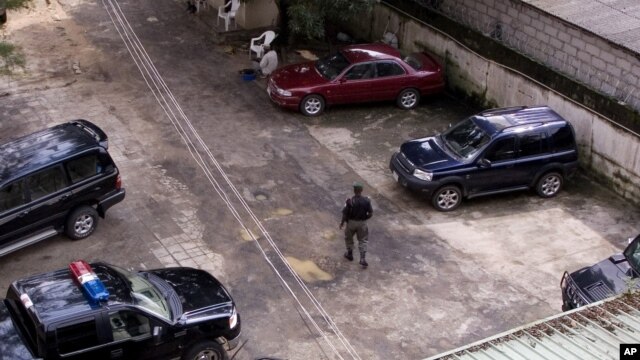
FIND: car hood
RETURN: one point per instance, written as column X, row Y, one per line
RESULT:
column 604, row 279
column 11, row 345
column 197, row 289
column 426, row 154
column 301, row 75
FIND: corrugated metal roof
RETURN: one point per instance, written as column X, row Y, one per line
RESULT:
column 593, row 332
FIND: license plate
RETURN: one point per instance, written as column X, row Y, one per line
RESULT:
column 395, row 175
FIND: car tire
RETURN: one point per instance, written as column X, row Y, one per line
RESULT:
column 312, row 105
column 549, row 184
column 209, row 350
column 447, row 198
column 408, row 99
column 81, row 223
column 3, row 18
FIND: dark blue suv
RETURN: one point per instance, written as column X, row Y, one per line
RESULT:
column 495, row 151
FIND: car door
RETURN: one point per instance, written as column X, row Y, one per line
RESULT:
column 356, row 84
column 391, row 79
column 14, row 209
column 132, row 336
column 49, row 197
column 79, row 339
column 494, row 168
column 533, row 154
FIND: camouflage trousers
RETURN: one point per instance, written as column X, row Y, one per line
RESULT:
column 360, row 229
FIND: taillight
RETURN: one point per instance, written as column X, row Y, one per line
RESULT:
column 118, row 182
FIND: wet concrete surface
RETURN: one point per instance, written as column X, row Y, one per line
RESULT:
column 435, row 280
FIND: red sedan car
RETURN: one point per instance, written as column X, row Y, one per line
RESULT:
column 357, row 73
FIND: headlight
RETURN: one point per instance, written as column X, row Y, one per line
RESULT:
column 233, row 319
column 283, row 92
column 423, row 175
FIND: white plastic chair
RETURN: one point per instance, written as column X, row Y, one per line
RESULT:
column 201, row 4
column 258, row 43
column 228, row 15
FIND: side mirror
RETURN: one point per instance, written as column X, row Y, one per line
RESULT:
column 157, row 334
column 484, row 163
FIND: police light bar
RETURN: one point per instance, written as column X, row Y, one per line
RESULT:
column 91, row 284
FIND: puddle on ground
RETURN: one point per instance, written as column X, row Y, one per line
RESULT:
column 308, row 270
column 247, row 235
column 282, row 212
column 152, row 19
column 261, row 197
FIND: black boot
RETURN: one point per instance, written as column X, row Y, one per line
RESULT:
column 363, row 262
column 349, row 255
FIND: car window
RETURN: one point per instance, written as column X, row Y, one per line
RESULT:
column 389, row 68
column 532, row 144
column 12, row 196
column 76, row 337
column 332, row 65
column 562, row 139
column 127, row 324
column 632, row 253
column 83, row 168
column 45, row 182
column 361, row 72
column 503, row 149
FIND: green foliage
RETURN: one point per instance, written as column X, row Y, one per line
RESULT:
column 10, row 57
column 15, row 4
column 308, row 18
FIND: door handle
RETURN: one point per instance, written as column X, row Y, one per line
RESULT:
column 64, row 197
column 23, row 214
column 116, row 354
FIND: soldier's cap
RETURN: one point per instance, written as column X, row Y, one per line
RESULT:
column 357, row 185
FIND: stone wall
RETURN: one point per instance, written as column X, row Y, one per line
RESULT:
column 575, row 52
column 609, row 151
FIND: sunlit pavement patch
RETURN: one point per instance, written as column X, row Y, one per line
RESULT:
column 308, row 270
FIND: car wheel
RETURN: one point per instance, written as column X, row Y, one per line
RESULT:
column 408, row 99
column 3, row 18
column 549, row 184
column 447, row 198
column 205, row 350
column 81, row 223
column 312, row 105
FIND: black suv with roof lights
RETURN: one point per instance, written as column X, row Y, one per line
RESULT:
column 100, row 311
column 613, row 275
column 55, row 180
column 495, row 151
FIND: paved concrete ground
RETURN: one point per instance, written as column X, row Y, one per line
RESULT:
column 435, row 281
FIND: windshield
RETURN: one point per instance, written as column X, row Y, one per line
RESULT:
column 145, row 294
column 465, row 139
column 632, row 254
column 332, row 65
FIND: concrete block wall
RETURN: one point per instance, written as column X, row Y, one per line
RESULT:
column 607, row 151
column 578, row 53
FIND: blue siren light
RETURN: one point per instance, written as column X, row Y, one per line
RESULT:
column 89, row 281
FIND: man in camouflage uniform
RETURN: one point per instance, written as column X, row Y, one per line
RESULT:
column 355, row 213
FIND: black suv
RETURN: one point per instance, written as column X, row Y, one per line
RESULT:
column 58, row 179
column 493, row 152
column 611, row 276
column 100, row 311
